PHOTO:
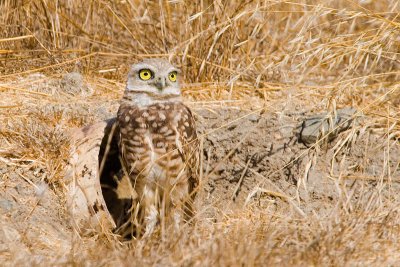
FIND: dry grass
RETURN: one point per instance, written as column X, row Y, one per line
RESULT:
column 241, row 54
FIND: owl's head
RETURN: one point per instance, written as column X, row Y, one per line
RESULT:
column 152, row 80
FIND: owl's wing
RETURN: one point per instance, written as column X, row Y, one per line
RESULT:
column 188, row 145
column 125, row 133
column 121, row 112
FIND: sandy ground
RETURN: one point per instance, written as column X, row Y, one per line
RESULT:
column 250, row 158
column 264, row 151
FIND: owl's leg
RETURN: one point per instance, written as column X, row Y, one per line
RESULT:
column 177, row 219
column 151, row 213
column 180, row 201
column 151, row 220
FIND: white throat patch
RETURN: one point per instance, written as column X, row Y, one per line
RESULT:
column 146, row 95
column 144, row 100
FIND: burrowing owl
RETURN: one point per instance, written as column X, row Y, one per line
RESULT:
column 158, row 144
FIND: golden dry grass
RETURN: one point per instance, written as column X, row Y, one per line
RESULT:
column 242, row 54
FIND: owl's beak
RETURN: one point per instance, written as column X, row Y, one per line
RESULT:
column 160, row 83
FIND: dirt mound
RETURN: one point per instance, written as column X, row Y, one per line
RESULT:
column 261, row 157
column 252, row 158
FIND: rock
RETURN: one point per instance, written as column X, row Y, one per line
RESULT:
column 318, row 125
column 74, row 84
column 6, row 205
column 253, row 117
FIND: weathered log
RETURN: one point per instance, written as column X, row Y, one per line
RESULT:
column 85, row 197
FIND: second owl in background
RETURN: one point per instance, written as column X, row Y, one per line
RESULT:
column 159, row 147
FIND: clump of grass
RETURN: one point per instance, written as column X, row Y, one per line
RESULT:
column 218, row 41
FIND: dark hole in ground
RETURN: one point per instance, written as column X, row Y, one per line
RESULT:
column 111, row 172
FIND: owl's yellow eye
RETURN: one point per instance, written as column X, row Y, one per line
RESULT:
column 172, row 76
column 145, row 74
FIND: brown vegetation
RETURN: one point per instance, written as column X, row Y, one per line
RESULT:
column 274, row 59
